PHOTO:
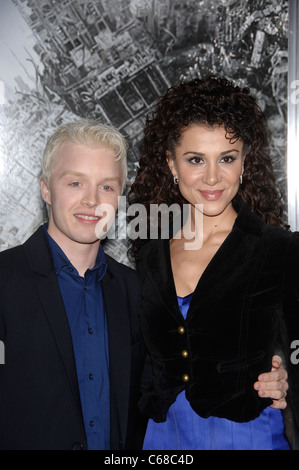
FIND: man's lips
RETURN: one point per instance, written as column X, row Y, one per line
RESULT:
column 212, row 195
column 89, row 219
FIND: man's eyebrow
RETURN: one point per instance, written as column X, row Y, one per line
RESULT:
column 71, row 173
column 78, row 173
column 111, row 178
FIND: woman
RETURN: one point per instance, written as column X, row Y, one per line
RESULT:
column 214, row 312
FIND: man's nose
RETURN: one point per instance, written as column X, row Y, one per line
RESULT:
column 91, row 196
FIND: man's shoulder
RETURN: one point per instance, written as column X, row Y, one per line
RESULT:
column 123, row 268
column 11, row 255
column 16, row 256
column 125, row 274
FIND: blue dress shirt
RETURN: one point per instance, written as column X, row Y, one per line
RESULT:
column 84, row 305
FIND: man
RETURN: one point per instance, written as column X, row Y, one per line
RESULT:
column 68, row 312
column 73, row 351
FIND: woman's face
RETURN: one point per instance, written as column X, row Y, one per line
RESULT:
column 208, row 167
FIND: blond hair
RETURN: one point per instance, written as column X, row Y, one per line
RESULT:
column 88, row 132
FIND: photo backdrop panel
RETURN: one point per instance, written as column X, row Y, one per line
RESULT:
column 110, row 60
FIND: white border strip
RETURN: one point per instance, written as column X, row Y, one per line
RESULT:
column 293, row 116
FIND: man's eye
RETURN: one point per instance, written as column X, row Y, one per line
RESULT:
column 106, row 187
column 75, row 184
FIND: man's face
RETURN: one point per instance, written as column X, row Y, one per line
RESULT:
column 83, row 177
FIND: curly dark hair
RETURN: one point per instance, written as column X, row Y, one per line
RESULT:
column 212, row 101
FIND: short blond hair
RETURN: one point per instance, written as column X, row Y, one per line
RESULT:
column 88, row 132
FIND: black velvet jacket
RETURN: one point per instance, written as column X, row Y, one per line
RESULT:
column 244, row 309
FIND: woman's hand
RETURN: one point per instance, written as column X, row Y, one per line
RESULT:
column 274, row 384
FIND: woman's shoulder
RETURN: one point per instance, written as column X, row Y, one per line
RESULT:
column 282, row 246
column 281, row 235
column 151, row 246
column 151, row 254
column 251, row 223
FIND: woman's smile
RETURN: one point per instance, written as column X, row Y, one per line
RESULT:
column 211, row 195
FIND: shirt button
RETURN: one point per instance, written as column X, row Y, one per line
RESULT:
column 184, row 353
column 77, row 446
column 90, row 376
column 91, row 423
column 181, row 330
column 185, row 378
column 90, row 331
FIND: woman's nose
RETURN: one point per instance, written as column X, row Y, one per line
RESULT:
column 211, row 176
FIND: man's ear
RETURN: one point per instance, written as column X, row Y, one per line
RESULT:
column 45, row 191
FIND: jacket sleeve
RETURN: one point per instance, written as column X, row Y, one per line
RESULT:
column 290, row 323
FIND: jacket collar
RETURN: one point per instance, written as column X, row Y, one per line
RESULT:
column 246, row 221
column 235, row 250
column 38, row 254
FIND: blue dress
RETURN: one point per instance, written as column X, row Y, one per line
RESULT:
column 186, row 430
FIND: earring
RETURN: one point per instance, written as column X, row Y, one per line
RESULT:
column 175, row 180
column 241, row 179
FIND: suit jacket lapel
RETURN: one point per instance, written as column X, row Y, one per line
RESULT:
column 119, row 354
column 54, row 311
column 232, row 255
column 158, row 268
column 40, row 261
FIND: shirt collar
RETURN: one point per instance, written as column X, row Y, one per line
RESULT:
column 60, row 260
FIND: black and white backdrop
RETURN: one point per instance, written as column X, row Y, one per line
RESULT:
column 110, row 60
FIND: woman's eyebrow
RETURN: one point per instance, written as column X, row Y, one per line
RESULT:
column 200, row 154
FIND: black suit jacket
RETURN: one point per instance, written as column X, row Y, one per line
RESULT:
column 39, row 396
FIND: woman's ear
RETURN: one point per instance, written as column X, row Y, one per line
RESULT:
column 45, row 191
column 243, row 162
column 171, row 162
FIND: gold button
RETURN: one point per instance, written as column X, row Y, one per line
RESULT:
column 181, row 330
column 184, row 353
column 185, row 378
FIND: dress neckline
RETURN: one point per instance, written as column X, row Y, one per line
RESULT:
column 185, row 296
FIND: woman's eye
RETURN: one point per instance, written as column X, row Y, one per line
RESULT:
column 228, row 159
column 195, row 160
